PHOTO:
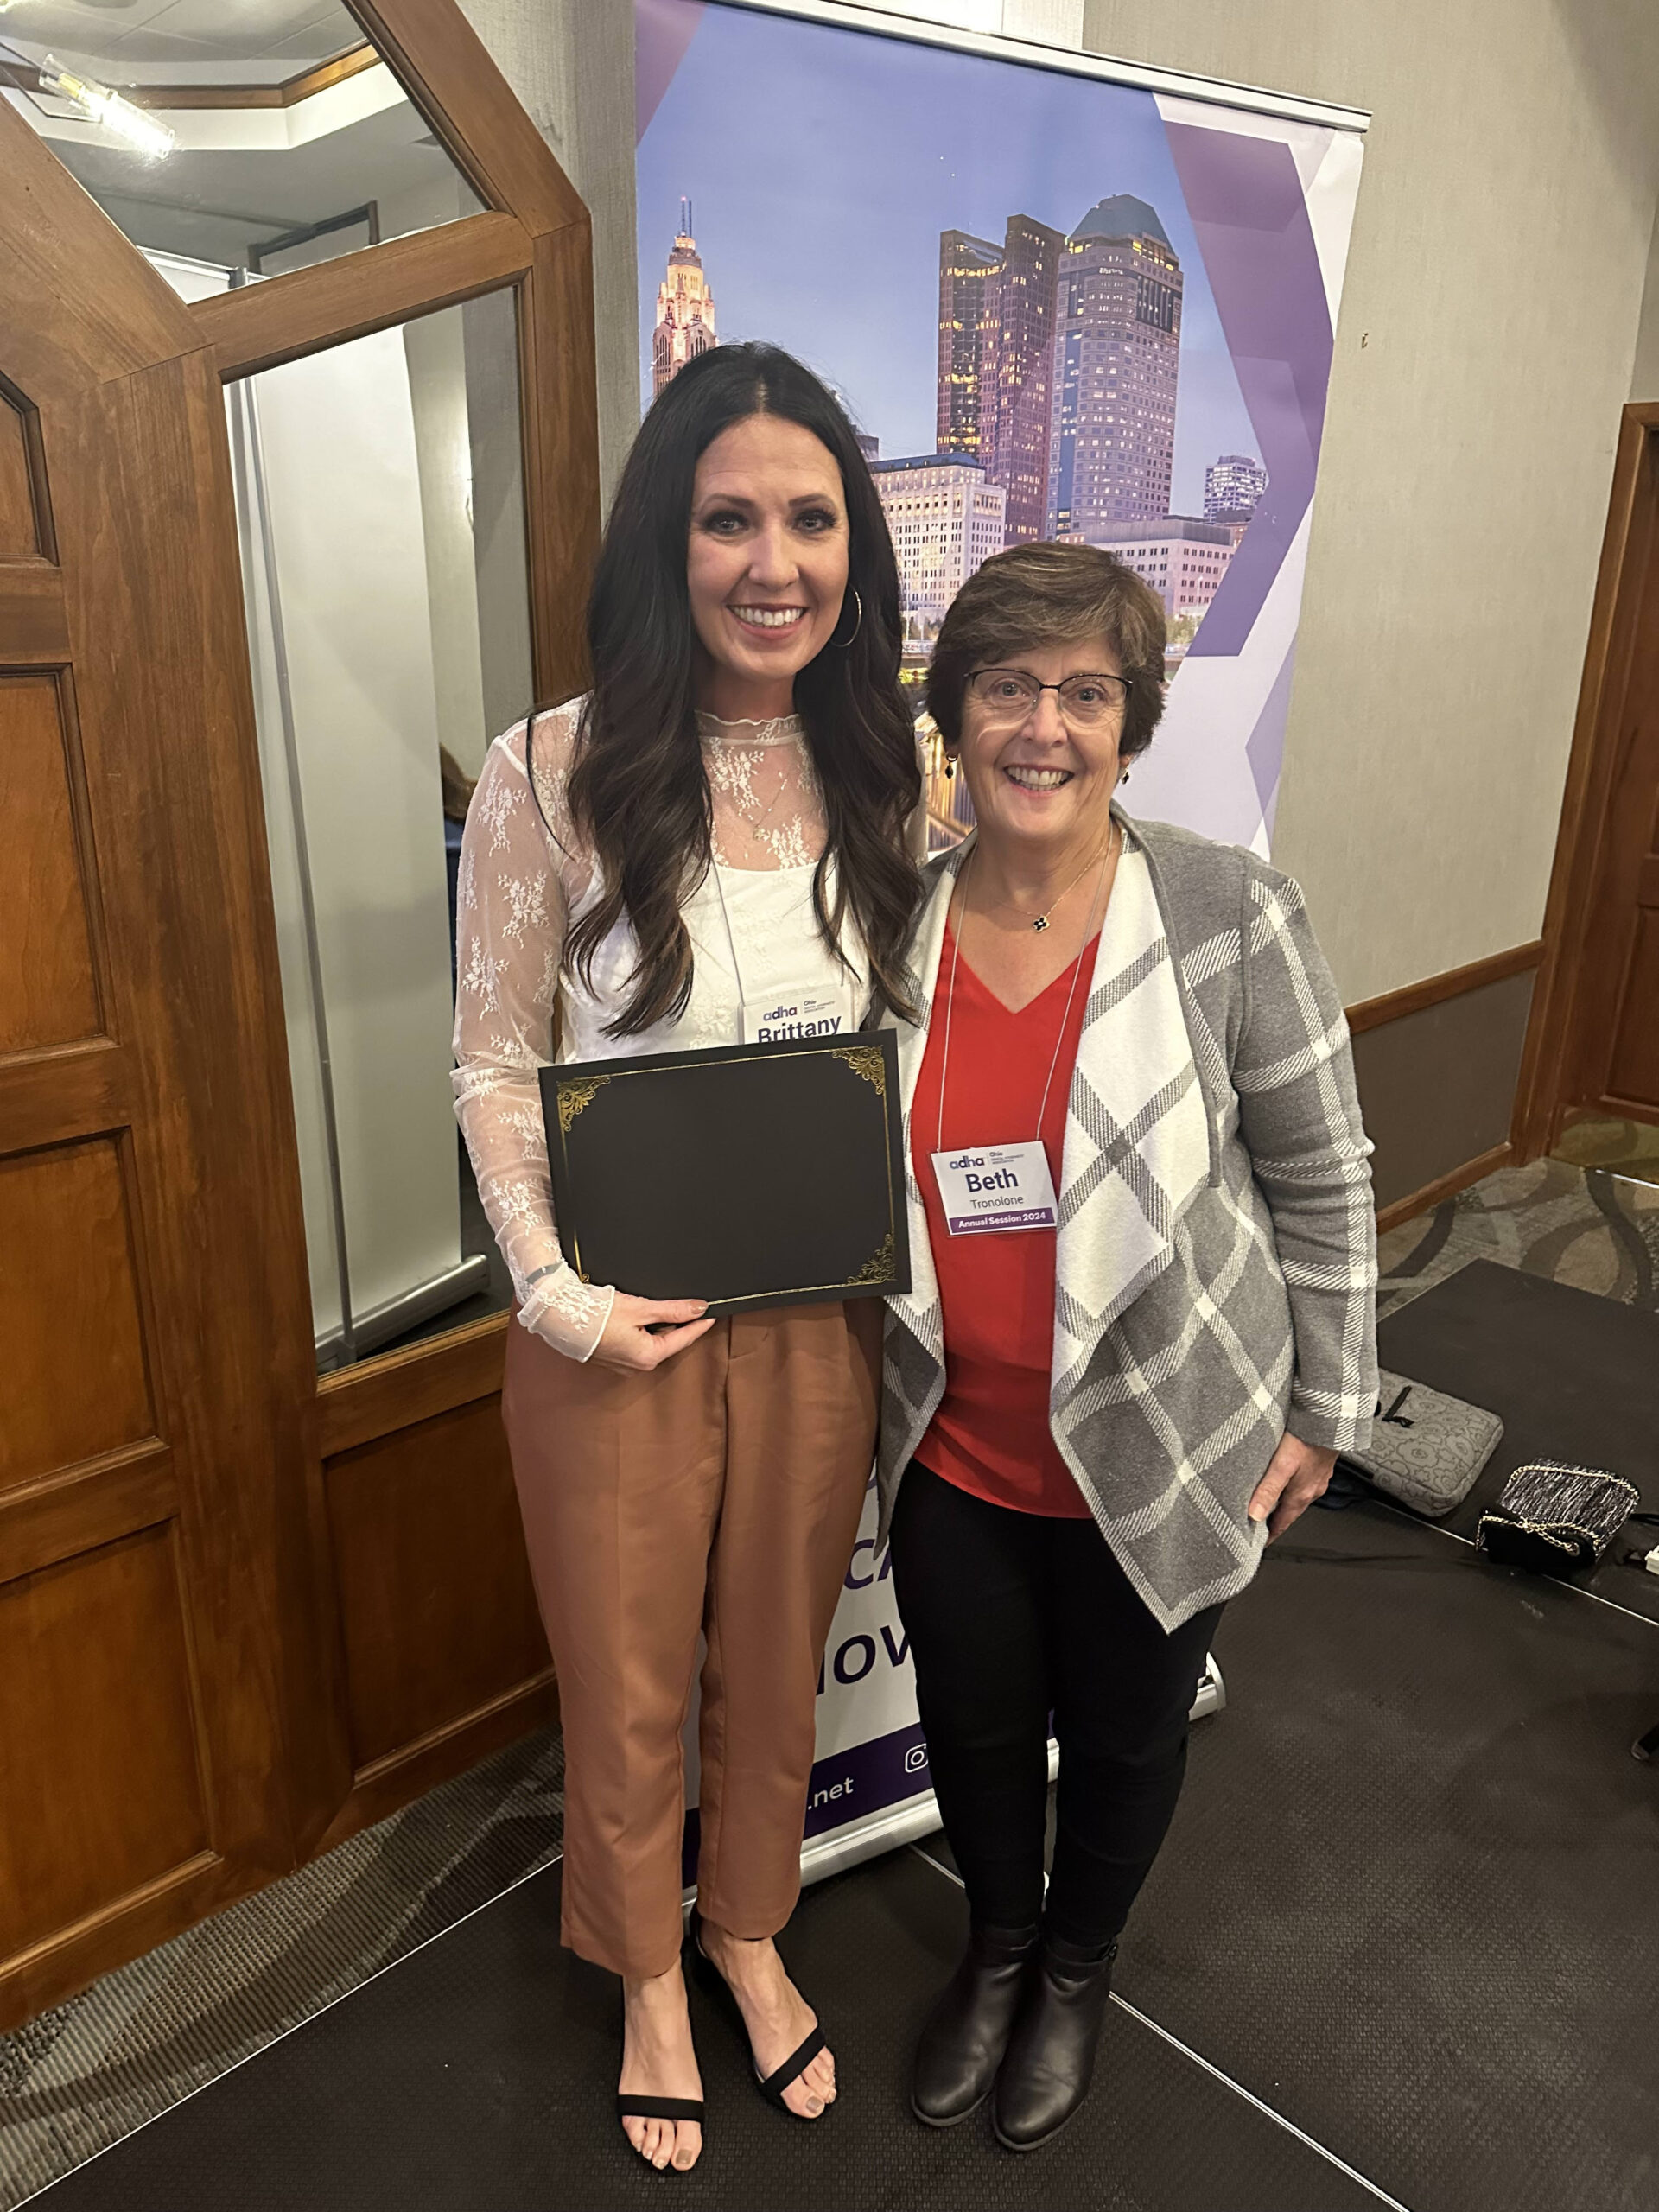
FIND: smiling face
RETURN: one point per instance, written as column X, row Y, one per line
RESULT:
column 766, row 563
column 1040, row 785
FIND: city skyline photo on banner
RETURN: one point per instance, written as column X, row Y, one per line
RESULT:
column 1053, row 306
column 822, row 168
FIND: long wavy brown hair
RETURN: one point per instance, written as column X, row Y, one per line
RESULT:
column 638, row 795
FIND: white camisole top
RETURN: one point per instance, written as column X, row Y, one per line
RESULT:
column 754, row 938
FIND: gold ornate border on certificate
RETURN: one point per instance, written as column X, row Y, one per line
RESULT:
column 879, row 1267
column 574, row 1096
column 868, row 1061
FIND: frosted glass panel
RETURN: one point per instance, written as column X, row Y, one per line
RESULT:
column 383, row 547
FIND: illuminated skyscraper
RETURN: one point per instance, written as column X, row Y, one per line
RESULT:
column 1019, row 355
column 685, row 309
column 1232, row 486
column 1117, row 336
column 967, row 267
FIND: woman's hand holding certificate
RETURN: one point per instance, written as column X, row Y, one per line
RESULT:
column 642, row 1332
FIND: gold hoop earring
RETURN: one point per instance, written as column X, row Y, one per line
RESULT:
column 858, row 624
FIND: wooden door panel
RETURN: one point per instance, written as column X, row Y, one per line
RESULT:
column 218, row 1649
column 1615, row 1061
column 435, row 1593
column 141, row 475
column 69, row 1313
column 102, row 1791
column 166, row 1718
column 25, row 532
column 49, row 990
column 1633, row 1072
column 33, row 620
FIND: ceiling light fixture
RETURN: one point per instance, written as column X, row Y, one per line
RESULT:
column 99, row 105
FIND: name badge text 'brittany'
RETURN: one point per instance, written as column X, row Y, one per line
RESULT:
column 795, row 1013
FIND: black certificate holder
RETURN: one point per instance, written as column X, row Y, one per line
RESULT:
column 750, row 1175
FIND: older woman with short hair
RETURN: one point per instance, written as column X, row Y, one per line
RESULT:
column 1142, row 1324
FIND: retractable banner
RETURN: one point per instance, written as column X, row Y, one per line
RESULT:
column 1059, row 297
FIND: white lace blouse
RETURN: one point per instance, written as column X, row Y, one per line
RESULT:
column 754, row 933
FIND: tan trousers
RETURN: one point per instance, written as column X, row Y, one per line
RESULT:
column 719, row 1494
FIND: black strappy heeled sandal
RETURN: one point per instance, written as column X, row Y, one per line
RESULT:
column 771, row 2085
column 658, row 2107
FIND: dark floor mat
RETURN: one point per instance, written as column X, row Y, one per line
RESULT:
column 1411, row 1897
column 479, row 2073
column 1572, row 1376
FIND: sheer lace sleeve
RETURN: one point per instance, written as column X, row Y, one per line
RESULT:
column 515, row 890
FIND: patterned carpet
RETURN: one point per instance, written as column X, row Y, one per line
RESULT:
column 81, row 2077
column 1597, row 1231
column 1630, row 1148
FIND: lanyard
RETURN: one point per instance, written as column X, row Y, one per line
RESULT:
column 950, row 994
column 806, row 1009
column 731, row 940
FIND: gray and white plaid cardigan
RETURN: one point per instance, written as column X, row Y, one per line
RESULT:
column 1216, row 1266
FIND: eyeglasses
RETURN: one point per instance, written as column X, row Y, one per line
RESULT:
column 1008, row 695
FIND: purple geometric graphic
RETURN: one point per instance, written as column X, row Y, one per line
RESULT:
column 1265, row 747
column 663, row 29
column 1249, row 209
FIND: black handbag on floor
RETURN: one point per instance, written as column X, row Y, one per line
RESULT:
column 1554, row 1518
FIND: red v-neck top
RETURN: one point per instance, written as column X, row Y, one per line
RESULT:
column 990, row 1435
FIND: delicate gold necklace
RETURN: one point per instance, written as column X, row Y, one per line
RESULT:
column 1041, row 921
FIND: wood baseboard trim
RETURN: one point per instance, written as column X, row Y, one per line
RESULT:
column 1443, row 1187
column 386, row 1784
column 1452, row 984
column 65, row 1963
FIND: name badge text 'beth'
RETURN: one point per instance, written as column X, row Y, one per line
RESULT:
column 995, row 1186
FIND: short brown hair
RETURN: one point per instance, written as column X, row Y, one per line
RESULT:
column 1046, row 595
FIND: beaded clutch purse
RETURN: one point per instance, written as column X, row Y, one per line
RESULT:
column 1554, row 1518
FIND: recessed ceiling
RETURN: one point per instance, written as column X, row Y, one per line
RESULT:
column 381, row 158
column 184, row 41
column 235, row 177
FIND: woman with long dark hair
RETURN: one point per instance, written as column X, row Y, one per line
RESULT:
column 721, row 821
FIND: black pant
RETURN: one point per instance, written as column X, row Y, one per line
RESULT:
column 1012, row 1616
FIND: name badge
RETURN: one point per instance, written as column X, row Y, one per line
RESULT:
column 797, row 1014
column 989, row 1187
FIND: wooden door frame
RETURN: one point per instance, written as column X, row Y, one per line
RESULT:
column 1545, row 1085
column 117, row 335
column 535, row 236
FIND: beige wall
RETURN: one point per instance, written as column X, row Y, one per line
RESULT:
column 1645, row 377
column 571, row 64
column 1488, row 330
column 1488, row 337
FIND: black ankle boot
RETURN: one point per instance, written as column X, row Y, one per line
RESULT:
column 1051, row 2058
column 968, row 2029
